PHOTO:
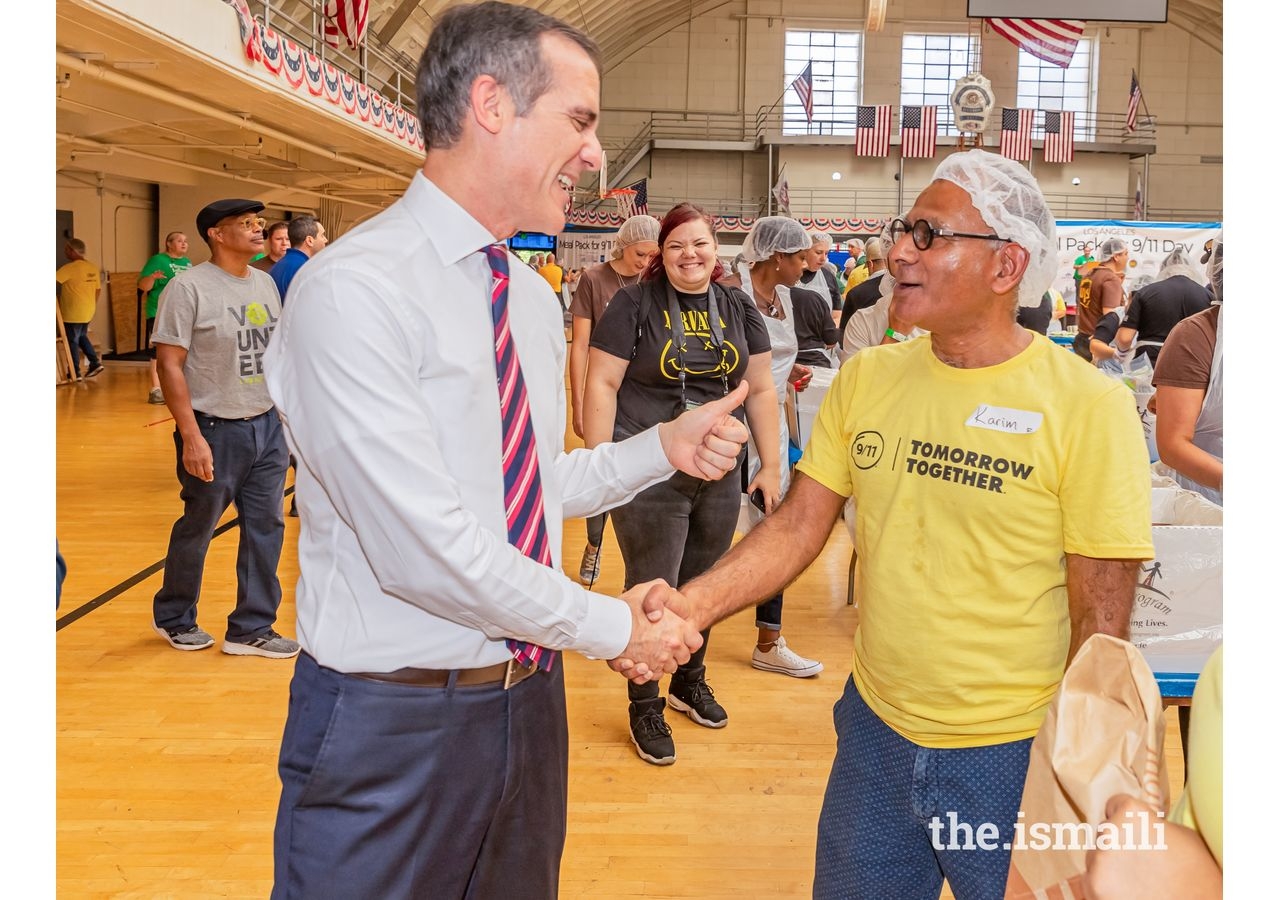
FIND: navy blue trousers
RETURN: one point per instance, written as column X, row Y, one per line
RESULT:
column 397, row 791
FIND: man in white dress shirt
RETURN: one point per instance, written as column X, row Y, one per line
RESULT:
column 419, row 759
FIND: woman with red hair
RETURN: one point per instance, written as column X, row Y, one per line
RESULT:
column 671, row 342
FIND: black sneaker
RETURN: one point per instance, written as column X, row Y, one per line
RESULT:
column 650, row 732
column 95, row 370
column 690, row 694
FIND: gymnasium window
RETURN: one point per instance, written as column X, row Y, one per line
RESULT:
column 931, row 63
column 837, row 81
column 1042, row 85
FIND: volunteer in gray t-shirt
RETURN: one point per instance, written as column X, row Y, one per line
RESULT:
column 211, row 332
column 224, row 323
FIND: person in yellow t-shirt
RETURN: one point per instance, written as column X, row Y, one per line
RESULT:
column 983, row 560
column 856, row 268
column 552, row 273
column 80, row 285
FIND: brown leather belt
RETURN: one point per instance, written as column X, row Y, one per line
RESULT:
column 508, row 674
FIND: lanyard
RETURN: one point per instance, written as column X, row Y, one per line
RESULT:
column 677, row 337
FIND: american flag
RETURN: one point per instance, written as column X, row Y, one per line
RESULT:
column 1059, row 137
column 1053, row 40
column 345, row 21
column 873, row 131
column 1138, row 208
column 804, row 89
column 1015, row 133
column 1135, row 97
column 641, row 188
column 919, row 132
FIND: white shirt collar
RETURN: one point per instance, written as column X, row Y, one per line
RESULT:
column 452, row 230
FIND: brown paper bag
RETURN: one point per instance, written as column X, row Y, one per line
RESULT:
column 1103, row 735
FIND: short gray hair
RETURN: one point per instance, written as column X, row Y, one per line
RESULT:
column 496, row 39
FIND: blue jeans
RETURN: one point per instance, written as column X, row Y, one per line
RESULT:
column 77, row 340
column 250, row 459
column 402, row 791
column 676, row 530
column 875, row 838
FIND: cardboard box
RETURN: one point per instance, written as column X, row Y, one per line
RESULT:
column 1177, row 610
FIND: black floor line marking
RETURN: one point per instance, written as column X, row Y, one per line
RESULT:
column 102, row 599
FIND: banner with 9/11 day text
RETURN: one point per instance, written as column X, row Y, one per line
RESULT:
column 1148, row 242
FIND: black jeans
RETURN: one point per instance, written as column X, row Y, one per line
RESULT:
column 769, row 613
column 595, row 529
column 249, row 462
column 676, row 530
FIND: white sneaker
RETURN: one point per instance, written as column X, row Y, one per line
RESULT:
column 781, row 658
column 589, row 571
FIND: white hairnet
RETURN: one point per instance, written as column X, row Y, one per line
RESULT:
column 1111, row 247
column 635, row 230
column 1009, row 200
column 1178, row 263
column 774, row 234
column 820, row 237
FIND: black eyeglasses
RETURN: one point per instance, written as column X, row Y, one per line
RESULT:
column 922, row 233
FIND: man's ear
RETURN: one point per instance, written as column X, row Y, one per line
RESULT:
column 489, row 103
column 1013, row 260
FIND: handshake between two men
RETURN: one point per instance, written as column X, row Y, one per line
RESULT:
column 704, row 442
column 663, row 635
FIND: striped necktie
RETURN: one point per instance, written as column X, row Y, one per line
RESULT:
column 522, row 484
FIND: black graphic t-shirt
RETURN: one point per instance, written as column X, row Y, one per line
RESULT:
column 636, row 327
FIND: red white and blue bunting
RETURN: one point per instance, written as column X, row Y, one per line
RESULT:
column 597, row 218
column 303, row 71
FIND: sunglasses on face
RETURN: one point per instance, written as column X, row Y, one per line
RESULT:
column 251, row 223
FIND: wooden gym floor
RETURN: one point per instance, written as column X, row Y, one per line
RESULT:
column 166, row 780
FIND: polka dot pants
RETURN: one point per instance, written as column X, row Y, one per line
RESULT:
column 898, row 818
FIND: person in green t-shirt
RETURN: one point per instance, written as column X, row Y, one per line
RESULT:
column 152, row 279
column 1084, row 262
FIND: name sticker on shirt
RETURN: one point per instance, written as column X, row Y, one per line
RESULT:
column 1010, row 421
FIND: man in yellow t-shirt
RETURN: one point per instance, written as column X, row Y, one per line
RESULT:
column 990, row 541
column 552, row 273
column 80, row 285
